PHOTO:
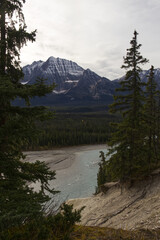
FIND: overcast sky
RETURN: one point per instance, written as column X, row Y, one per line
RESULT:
column 93, row 33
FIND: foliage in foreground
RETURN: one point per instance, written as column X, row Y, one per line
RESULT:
column 57, row 227
column 19, row 202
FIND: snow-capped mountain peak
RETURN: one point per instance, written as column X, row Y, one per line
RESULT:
column 60, row 71
column 74, row 84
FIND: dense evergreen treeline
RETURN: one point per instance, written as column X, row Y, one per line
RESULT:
column 68, row 129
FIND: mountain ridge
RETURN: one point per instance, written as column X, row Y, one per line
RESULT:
column 74, row 84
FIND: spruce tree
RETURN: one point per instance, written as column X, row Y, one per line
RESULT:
column 150, row 120
column 101, row 175
column 19, row 202
column 127, row 142
column 157, row 127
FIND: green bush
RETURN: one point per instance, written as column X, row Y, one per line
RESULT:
column 57, row 227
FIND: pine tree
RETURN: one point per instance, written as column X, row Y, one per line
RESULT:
column 150, row 120
column 19, row 202
column 127, row 143
column 157, row 127
column 101, row 176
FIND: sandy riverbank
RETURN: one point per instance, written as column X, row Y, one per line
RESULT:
column 62, row 158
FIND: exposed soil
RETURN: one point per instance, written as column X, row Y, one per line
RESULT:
column 124, row 206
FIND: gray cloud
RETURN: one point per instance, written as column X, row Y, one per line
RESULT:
column 95, row 34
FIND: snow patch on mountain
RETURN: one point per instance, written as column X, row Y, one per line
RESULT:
column 71, row 81
column 64, row 73
column 59, row 92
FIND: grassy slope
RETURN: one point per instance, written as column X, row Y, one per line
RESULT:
column 96, row 233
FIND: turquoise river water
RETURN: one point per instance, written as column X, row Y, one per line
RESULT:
column 80, row 179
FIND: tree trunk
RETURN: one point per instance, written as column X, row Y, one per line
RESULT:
column 2, row 38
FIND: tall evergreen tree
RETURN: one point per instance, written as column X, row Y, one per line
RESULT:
column 101, row 176
column 127, row 151
column 18, row 200
column 150, row 119
column 157, row 127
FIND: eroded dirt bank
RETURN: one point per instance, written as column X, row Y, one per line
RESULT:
column 126, row 207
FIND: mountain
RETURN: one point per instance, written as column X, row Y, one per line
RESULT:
column 144, row 76
column 63, row 72
column 74, row 85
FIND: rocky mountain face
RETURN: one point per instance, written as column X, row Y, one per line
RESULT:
column 74, row 85
column 60, row 71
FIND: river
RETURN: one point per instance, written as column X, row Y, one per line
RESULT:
column 76, row 169
column 80, row 179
